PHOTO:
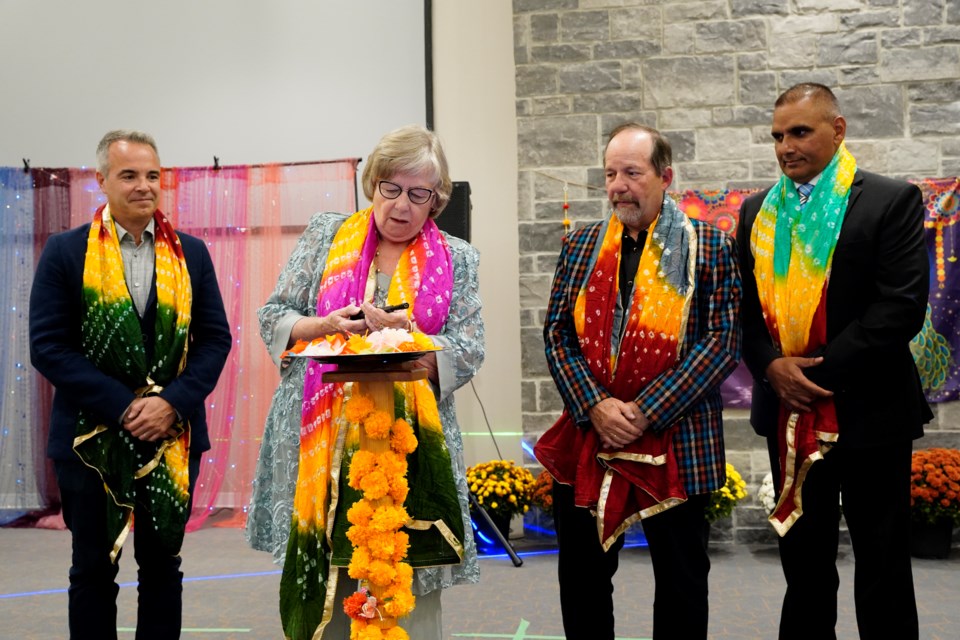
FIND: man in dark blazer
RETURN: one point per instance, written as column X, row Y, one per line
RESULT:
column 623, row 276
column 132, row 364
column 853, row 386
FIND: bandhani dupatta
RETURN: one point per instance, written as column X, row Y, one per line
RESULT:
column 424, row 279
column 642, row 479
column 793, row 249
column 155, row 474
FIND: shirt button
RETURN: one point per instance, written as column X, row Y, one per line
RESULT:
column 136, row 284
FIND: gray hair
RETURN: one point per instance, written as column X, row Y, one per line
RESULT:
column 661, row 155
column 409, row 149
column 117, row 135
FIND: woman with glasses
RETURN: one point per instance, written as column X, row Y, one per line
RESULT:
column 387, row 255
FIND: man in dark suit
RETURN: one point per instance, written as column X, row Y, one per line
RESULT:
column 641, row 329
column 127, row 323
column 835, row 279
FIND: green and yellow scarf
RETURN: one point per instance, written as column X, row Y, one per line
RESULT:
column 155, row 474
column 793, row 249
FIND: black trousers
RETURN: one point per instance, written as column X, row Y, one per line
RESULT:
column 874, row 483
column 677, row 545
column 92, row 594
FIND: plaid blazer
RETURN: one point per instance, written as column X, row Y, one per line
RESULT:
column 684, row 398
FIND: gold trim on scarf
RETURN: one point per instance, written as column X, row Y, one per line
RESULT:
column 448, row 535
column 793, row 477
column 660, row 507
column 635, row 457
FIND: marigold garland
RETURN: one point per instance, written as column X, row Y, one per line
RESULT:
column 379, row 544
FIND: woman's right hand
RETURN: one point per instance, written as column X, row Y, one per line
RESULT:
column 338, row 321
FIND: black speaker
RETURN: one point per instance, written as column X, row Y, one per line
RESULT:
column 455, row 218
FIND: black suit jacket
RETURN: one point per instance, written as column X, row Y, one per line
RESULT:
column 56, row 310
column 876, row 303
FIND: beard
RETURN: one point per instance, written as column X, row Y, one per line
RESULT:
column 629, row 213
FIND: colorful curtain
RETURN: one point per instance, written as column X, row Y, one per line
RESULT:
column 250, row 218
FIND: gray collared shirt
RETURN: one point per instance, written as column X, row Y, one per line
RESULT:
column 138, row 264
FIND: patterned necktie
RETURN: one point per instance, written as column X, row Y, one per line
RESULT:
column 805, row 190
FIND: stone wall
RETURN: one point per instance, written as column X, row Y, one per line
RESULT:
column 706, row 73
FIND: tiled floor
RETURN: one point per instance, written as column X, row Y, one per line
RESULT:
column 231, row 592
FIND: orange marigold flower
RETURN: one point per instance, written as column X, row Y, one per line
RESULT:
column 403, row 440
column 388, row 518
column 357, row 408
column 361, row 465
column 423, row 341
column 381, row 573
column 399, row 489
column 357, row 343
column 360, row 513
column 399, row 605
column 374, row 485
column 377, row 425
column 359, row 567
column 392, row 464
column 395, row 633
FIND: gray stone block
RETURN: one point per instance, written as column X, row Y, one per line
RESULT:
column 696, row 11
column 545, row 27
column 580, row 26
column 948, row 91
column 942, row 119
column 668, row 81
column 528, row 318
column 528, row 395
column 941, row 35
column 685, row 118
column 535, row 289
column 549, row 398
column 610, row 121
column 697, row 172
column 590, row 77
column 859, row 47
column 812, row 6
column 534, row 424
column 808, row 24
column 930, row 63
column 950, row 147
column 527, row 264
column 950, row 167
column 611, row 101
column 533, row 362
column 521, row 6
column 752, row 61
column 795, row 52
column 896, row 38
column 536, row 80
column 557, row 141
column 550, row 186
column 923, row 13
column 723, row 143
column 758, row 88
column 871, row 155
column 870, row 19
column 625, row 49
column 547, row 264
column 550, row 106
column 743, row 8
column 635, row 23
column 579, row 210
column 919, row 157
column 679, row 39
column 729, row 36
column 560, row 53
column 858, row 75
column 743, row 116
column 872, row 112
column 953, row 11
column 683, row 143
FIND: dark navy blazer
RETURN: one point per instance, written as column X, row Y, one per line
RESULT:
column 56, row 312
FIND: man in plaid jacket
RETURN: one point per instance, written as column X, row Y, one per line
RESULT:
column 641, row 329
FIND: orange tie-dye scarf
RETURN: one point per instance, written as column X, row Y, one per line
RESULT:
column 641, row 479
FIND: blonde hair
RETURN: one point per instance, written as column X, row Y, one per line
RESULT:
column 409, row 149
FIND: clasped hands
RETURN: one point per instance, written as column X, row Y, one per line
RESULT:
column 150, row 419
column 618, row 423
column 795, row 390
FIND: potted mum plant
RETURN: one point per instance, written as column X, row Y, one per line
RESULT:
column 724, row 499
column 502, row 488
column 934, row 501
column 542, row 497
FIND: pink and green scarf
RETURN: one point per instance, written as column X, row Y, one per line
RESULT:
column 155, row 474
column 793, row 249
column 641, row 479
column 424, row 279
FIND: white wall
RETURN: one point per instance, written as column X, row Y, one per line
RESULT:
column 474, row 114
column 249, row 82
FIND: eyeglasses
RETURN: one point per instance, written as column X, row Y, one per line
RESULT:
column 391, row 191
